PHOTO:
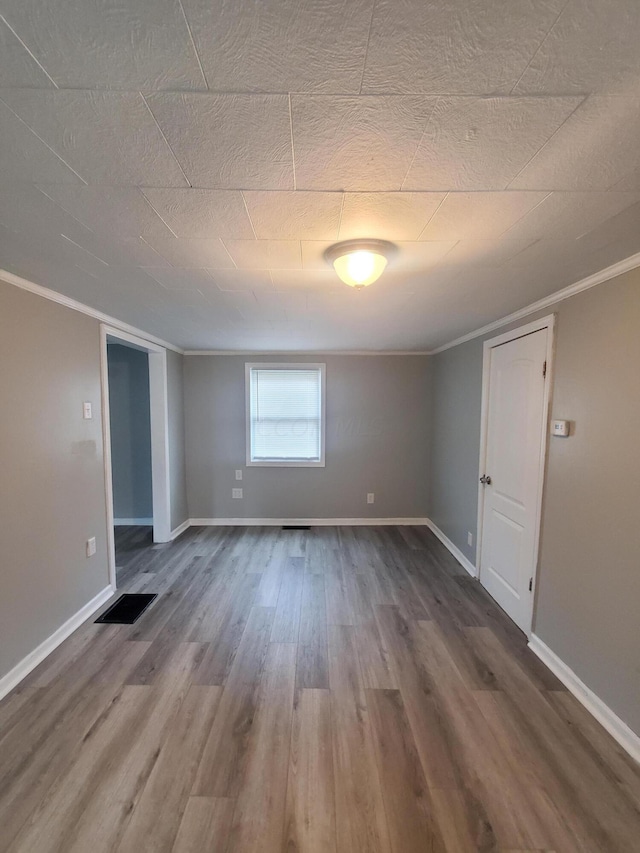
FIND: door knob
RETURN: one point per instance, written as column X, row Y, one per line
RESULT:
column 485, row 480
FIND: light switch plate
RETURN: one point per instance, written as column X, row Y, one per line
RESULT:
column 91, row 546
column 560, row 428
column 370, row 497
column 87, row 412
column 238, row 473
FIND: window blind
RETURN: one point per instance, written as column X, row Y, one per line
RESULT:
column 285, row 414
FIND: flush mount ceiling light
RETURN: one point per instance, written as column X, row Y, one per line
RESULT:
column 359, row 262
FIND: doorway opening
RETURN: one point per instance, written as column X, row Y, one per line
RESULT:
column 135, row 424
column 130, row 425
column 515, row 407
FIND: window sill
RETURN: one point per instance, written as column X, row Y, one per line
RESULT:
column 284, row 463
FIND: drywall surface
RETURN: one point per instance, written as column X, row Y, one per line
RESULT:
column 52, row 490
column 130, row 432
column 456, row 402
column 589, row 570
column 177, row 465
column 377, row 440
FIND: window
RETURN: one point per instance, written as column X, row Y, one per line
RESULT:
column 285, row 414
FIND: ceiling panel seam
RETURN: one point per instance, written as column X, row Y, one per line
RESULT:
column 544, row 145
column 31, row 54
column 166, row 141
column 193, row 44
column 46, row 144
column 539, row 48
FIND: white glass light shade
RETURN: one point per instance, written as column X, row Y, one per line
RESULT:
column 359, row 263
column 358, row 269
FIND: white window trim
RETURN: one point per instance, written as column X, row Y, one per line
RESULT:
column 281, row 365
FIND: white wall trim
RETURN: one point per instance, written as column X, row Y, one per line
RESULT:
column 31, row 661
column 180, row 529
column 618, row 729
column 455, row 551
column 293, row 354
column 74, row 305
column 132, row 522
column 160, row 457
column 312, row 522
column 600, row 277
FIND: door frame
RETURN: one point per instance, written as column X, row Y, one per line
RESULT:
column 159, row 412
column 547, row 323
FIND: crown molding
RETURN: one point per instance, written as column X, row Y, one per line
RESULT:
column 74, row 305
column 309, row 352
column 620, row 267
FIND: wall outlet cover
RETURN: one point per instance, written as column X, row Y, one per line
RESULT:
column 370, row 497
column 236, row 493
column 91, row 546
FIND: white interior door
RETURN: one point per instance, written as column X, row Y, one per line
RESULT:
column 515, row 440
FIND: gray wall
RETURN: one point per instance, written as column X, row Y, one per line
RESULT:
column 589, row 574
column 130, row 432
column 377, row 440
column 177, row 481
column 456, row 401
column 52, row 491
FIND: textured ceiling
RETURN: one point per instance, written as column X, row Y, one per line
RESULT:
column 183, row 164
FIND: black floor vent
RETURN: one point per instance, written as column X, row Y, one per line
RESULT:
column 127, row 608
column 296, row 527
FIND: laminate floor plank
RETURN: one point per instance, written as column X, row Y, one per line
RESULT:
column 408, row 803
column 312, row 667
column 232, row 616
column 331, row 690
column 311, row 821
column 574, row 777
column 377, row 671
column 517, row 808
column 286, row 623
column 431, row 728
column 340, row 595
column 205, row 826
column 222, row 760
column 258, row 820
column 49, row 745
column 90, row 806
column 619, row 768
column 157, row 816
column 361, row 823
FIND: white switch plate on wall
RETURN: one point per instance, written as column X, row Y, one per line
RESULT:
column 236, row 493
column 238, row 473
column 370, row 497
column 87, row 413
column 469, row 538
column 561, row 428
column 91, row 546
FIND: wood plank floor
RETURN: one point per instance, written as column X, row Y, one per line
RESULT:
column 348, row 690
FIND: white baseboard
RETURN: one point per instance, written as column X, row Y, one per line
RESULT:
column 31, row 661
column 133, row 522
column 311, row 522
column 618, row 729
column 448, row 544
column 180, row 529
